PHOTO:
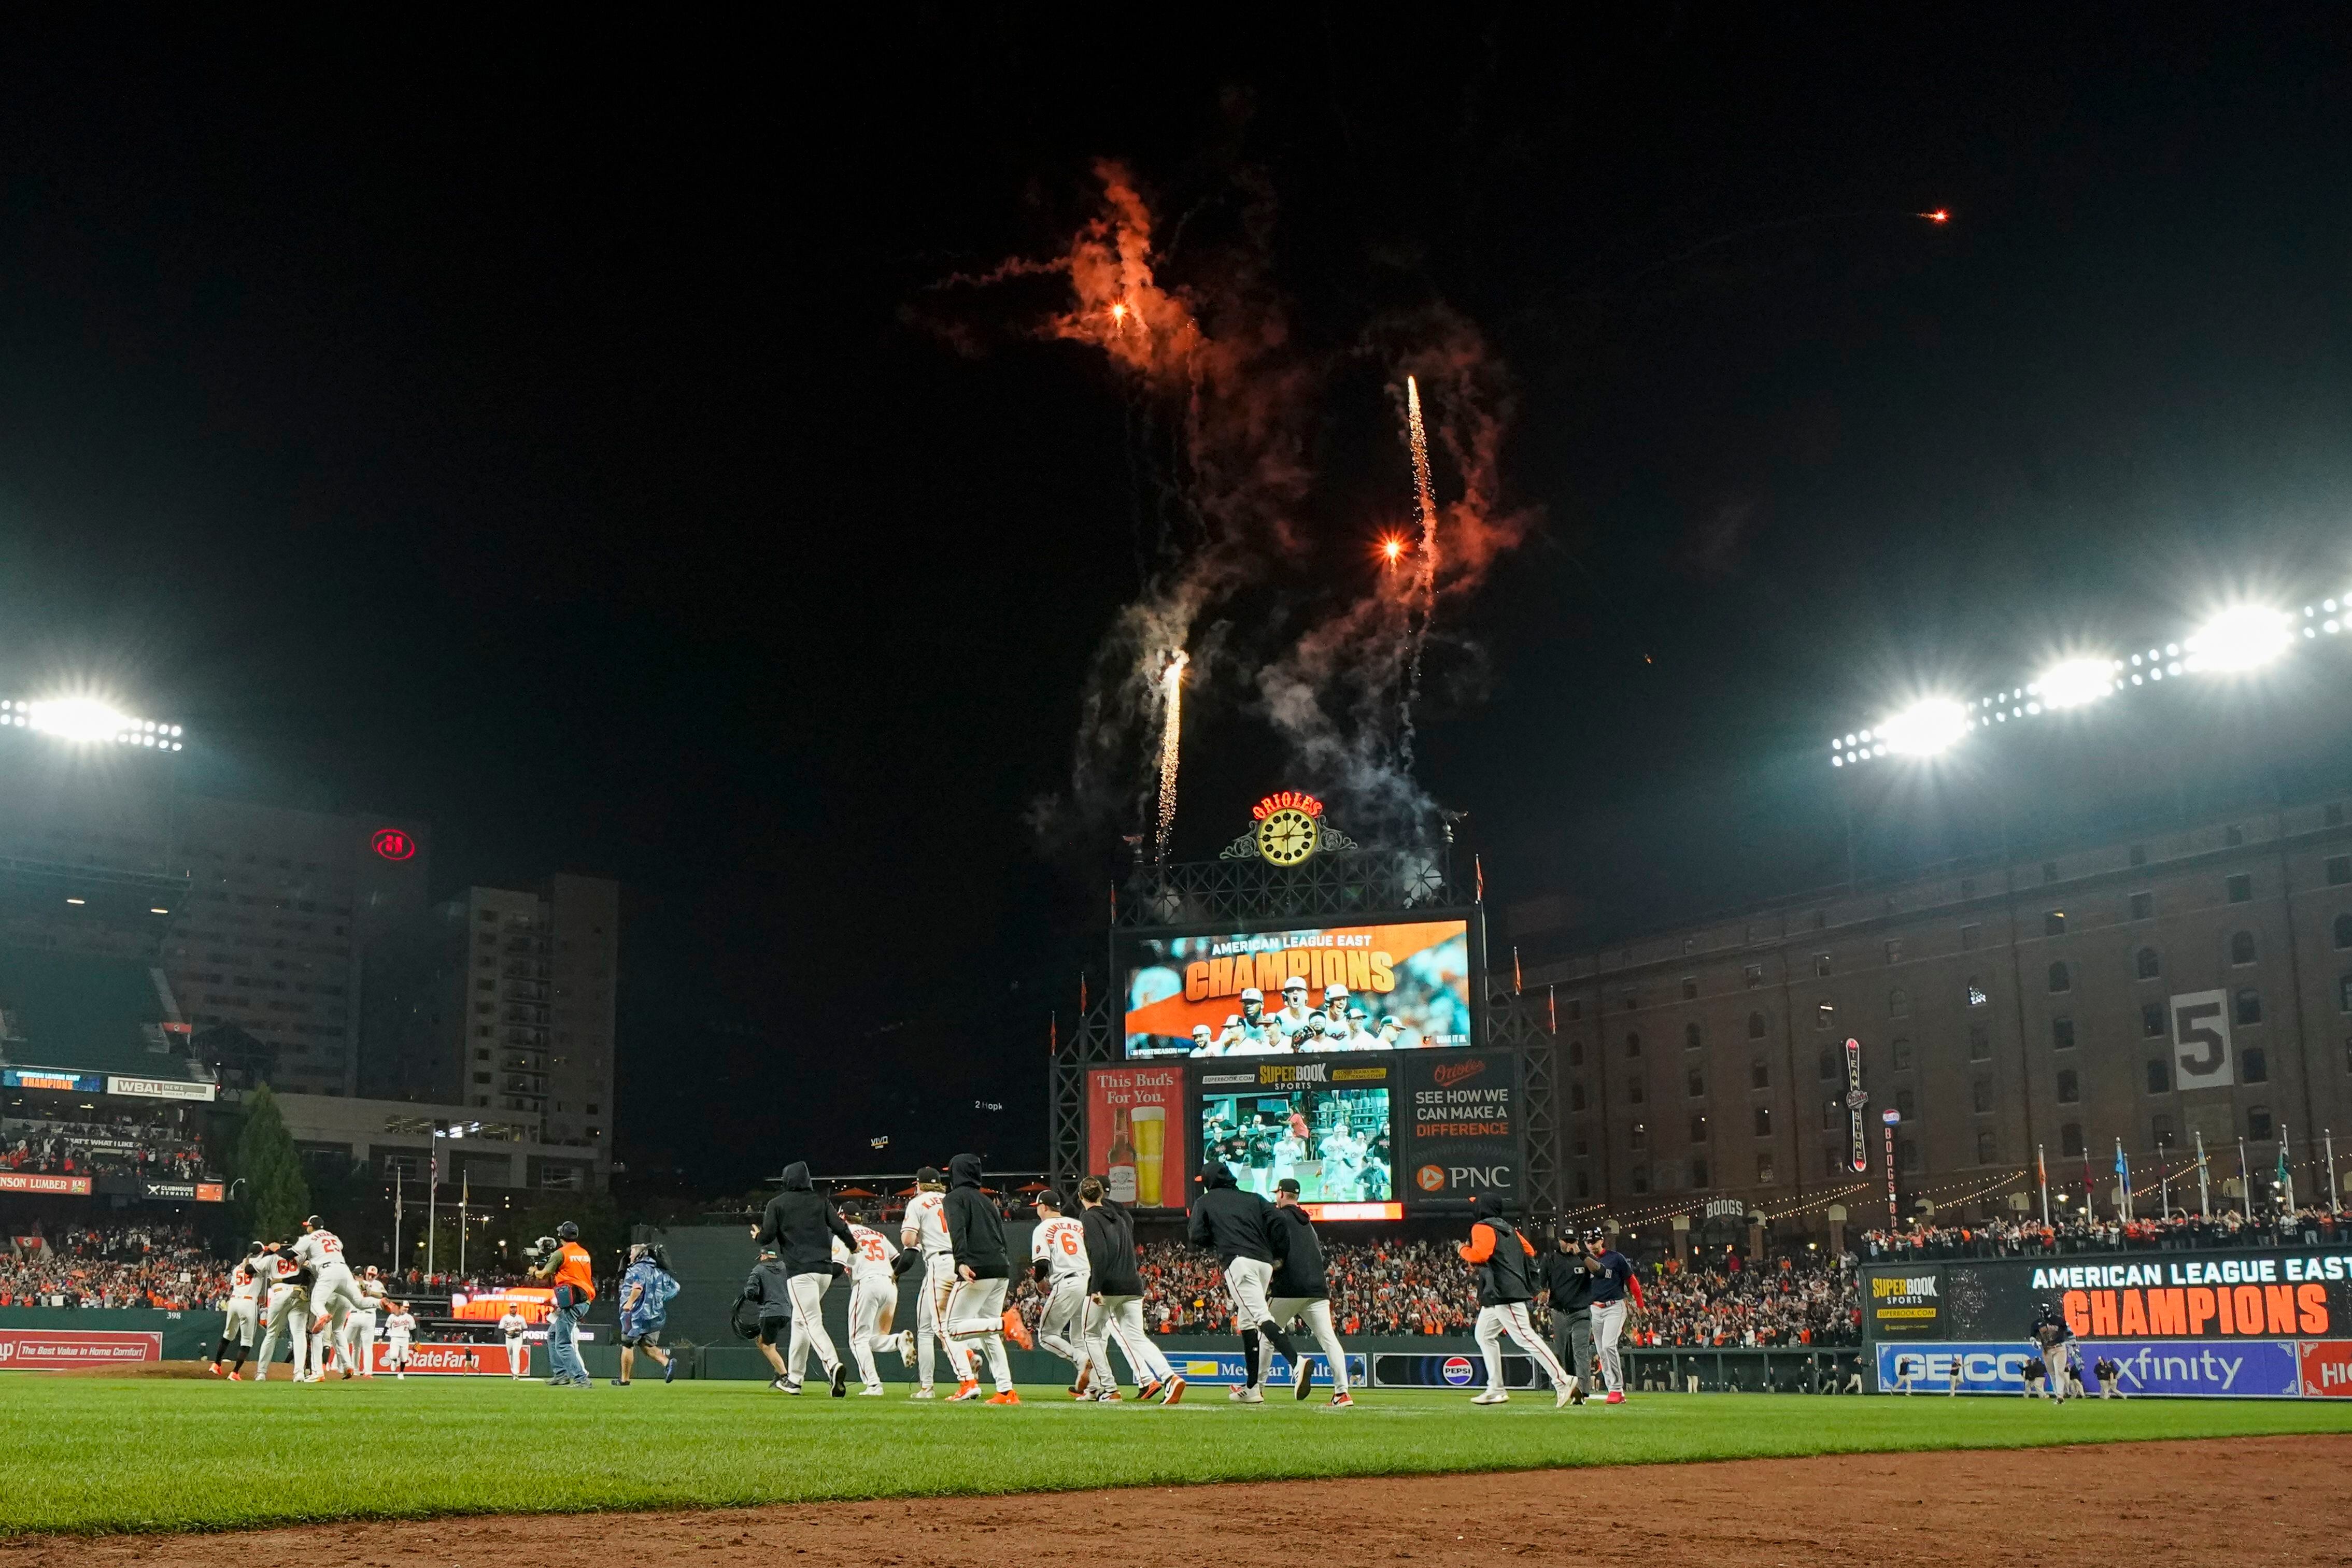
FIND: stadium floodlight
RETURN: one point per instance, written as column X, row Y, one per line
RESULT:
column 2239, row 639
column 89, row 720
column 1926, row 727
column 2072, row 683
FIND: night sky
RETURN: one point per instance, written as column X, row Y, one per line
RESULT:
column 563, row 436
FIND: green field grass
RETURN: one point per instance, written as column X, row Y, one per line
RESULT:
column 91, row 1454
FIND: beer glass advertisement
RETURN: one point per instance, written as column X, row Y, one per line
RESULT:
column 1135, row 1133
column 1325, row 988
column 1324, row 1125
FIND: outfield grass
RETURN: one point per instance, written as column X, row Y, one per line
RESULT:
column 94, row 1455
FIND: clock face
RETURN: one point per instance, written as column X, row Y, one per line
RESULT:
column 1287, row 837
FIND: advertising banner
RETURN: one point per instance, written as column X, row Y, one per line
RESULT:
column 1459, row 1132
column 2241, row 1369
column 1392, row 1369
column 1135, row 1135
column 61, row 1350
column 458, row 1359
column 182, row 1191
column 535, row 1303
column 53, row 1077
column 162, row 1088
column 53, row 1186
column 2268, row 1294
column 1340, row 987
column 1212, row 1370
column 2327, row 1369
column 1322, row 1123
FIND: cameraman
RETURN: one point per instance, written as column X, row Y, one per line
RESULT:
column 568, row 1266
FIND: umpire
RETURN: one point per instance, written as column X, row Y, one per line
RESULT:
column 1568, row 1283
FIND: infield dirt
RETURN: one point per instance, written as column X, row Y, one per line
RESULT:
column 2247, row 1501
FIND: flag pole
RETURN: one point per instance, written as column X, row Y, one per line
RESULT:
column 2204, row 1204
column 2328, row 1135
column 2124, row 1193
column 2286, row 1170
column 395, row 1218
column 2245, row 1183
column 2164, row 1184
column 432, row 1191
column 465, row 1191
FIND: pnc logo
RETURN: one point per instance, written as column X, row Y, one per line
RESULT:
column 1430, row 1178
column 1450, row 1073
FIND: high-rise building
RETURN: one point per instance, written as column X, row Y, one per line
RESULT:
column 500, row 1001
column 258, row 915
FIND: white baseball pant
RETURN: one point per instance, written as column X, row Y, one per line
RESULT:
column 1246, row 1281
column 1608, row 1324
column 975, row 1313
column 930, row 1317
column 289, row 1316
column 519, row 1357
column 2056, row 1359
column 334, row 1296
column 808, row 1325
column 1317, row 1310
column 238, row 1322
column 359, row 1342
column 1511, row 1318
column 1061, row 1327
column 869, row 1299
column 1121, row 1318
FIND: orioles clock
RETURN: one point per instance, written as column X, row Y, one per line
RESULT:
column 1286, row 836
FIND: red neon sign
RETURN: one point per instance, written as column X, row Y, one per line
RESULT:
column 393, row 844
column 1285, row 800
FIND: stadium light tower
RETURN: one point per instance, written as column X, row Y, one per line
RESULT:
column 88, row 721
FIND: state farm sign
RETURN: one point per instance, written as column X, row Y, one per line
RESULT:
column 60, row 1350
column 457, row 1360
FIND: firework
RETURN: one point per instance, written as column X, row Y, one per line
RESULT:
column 1171, row 725
column 1422, row 601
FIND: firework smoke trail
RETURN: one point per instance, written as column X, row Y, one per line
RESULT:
column 1171, row 725
column 1423, row 603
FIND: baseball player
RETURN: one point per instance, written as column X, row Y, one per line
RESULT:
column 801, row 1223
column 239, row 1314
column 924, row 1229
column 2033, row 1375
column 1057, row 1262
column 1115, row 1304
column 1292, row 1020
column 975, row 1313
column 2056, row 1342
column 512, row 1328
column 358, row 1344
column 1507, row 1284
column 1232, row 1222
column 334, row 1294
column 1299, row 1291
column 398, row 1328
column 873, row 1297
column 286, row 1313
column 1613, row 1279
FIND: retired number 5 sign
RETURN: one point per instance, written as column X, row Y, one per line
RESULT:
column 2201, row 1040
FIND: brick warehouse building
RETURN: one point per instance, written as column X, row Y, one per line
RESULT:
column 2001, row 1004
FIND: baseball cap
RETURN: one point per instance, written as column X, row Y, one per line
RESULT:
column 1296, row 983
column 929, row 1173
column 1334, row 993
column 1288, row 1184
column 1052, row 1196
column 1253, row 995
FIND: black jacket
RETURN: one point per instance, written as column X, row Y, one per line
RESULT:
column 1228, row 1221
column 1566, row 1281
column 974, row 1228
column 801, row 1223
column 1507, row 1274
column 1298, row 1255
column 769, row 1286
column 1110, row 1251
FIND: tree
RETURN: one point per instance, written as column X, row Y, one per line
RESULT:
column 274, row 1197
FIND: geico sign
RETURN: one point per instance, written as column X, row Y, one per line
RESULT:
column 1976, row 1366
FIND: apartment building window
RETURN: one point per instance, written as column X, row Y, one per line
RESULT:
column 2250, row 1005
column 2061, row 1034
column 1752, row 975
column 1899, row 1003
column 1980, row 1043
column 2147, row 964
column 1690, row 987
column 1692, row 1037
column 2160, row 1075
column 2151, row 1020
column 2070, row 1138
column 2343, row 932
column 2070, row 1088
column 1980, row 1091
column 2060, row 979
column 2339, row 870
column 481, row 1078
column 1759, row 1074
column 2160, row 1130
column 2258, row 1123
column 2143, row 906
column 1756, row 1026
column 1970, row 934
column 1763, row 1120
column 1697, row 1084
column 1901, row 1051
column 1698, row 1129
column 1763, row 1170
column 1821, row 965
column 1985, row 1149
column 2241, row 888
column 2053, row 923
column 2254, row 1064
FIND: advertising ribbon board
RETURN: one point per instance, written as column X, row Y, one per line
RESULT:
column 1459, row 1131
column 63, row 1350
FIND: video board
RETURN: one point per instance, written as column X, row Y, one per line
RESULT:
column 1396, row 986
column 1327, row 1125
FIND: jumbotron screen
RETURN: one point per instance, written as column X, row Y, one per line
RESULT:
column 1337, row 987
column 1333, row 1141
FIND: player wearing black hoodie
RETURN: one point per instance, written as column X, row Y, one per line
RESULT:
column 1299, row 1290
column 1115, row 1304
column 975, row 1309
column 1233, row 1223
column 801, row 1223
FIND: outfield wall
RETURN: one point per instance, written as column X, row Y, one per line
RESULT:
column 2246, row 1324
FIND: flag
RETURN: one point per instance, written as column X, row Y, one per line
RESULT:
column 1517, row 985
column 1053, row 1036
column 1479, row 871
column 2283, row 1178
column 2123, row 1169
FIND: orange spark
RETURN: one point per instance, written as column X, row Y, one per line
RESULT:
column 1939, row 216
column 1392, row 548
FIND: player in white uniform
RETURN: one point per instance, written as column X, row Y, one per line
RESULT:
column 512, row 1328
column 358, row 1345
column 397, row 1328
column 1057, row 1260
column 925, row 1227
column 240, row 1314
column 287, row 1315
column 872, row 1299
column 334, row 1294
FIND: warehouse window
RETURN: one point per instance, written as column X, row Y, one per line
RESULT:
column 2151, row 1020
column 1985, row 1149
column 1763, row 1120
column 1983, row 1090
column 1690, row 987
column 1763, row 1170
column 2147, row 964
column 2053, row 923
column 2160, row 1075
column 1759, row 1074
column 2241, row 889
column 1821, row 965
column 1699, row 1171
column 2344, row 931
column 1698, row 1129
column 1634, row 1092
column 2059, row 980
column 2339, row 870
column 1831, row 1067
column 1633, row 1043
column 1907, row 1104
column 1756, row 1026
column 1901, row 1051
column 1692, row 1037
column 2143, row 906
column 2070, row 1088
column 2258, row 1123
column 2241, row 947
column 2061, row 1034
column 1980, row 1043
column 2250, row 1005
column 1899, row 1003
column 2255, row 1063
column 2070, row 1138
column 1697, row 1084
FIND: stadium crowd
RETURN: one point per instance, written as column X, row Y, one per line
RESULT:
column 2030, row 1238
column 121, row 1145
column 117, row 1266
